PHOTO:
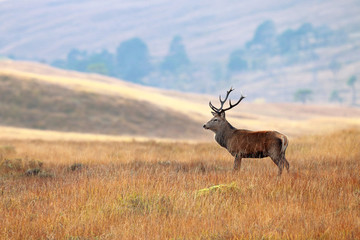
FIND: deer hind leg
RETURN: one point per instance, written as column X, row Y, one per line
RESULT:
column 285, row 143
column 237, row 162
column 285, row 162
column 279, row 163
column 287, row 165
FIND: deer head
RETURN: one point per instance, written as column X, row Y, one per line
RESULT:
column 218, row 121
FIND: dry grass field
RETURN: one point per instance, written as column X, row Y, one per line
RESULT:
column 159, row 190
column 84, row 184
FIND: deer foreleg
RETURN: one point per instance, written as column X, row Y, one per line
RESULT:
column 237, row 162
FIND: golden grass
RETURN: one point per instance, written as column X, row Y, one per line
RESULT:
column 15, row 133
column 149, row 190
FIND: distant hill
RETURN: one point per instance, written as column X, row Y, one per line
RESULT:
column 38, row 29
column 37, row 96
column 222, row 39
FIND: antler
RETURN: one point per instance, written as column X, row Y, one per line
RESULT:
column 219, row 110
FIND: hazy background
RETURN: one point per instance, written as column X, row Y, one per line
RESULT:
column 149, row 68
column 271, row 50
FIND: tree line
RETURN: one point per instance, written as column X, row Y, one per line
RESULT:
column 292, row 45
column 131, row 61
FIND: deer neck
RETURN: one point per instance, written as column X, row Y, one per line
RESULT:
column 223, row 134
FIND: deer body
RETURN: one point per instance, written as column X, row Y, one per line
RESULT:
column 243, row 143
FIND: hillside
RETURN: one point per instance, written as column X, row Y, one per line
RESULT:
column 36, row 96
column 46, row 106
column 42, row 102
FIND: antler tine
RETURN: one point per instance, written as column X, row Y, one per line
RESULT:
column 214, row 108
column 227, row 95
column 222, row 102
column 231, row 105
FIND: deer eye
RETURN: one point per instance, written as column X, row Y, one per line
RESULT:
column 215, row 120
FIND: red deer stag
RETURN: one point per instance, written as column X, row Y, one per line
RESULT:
column 243, row 143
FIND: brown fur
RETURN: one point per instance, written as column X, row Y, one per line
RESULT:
column 249, row 144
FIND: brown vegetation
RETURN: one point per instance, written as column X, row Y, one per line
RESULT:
column 150, row 190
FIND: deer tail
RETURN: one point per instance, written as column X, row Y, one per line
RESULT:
column 285, row 143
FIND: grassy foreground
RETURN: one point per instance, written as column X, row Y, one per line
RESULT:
column 150, row 190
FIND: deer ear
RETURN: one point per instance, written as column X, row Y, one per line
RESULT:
column 222, row 114
column 214, row 113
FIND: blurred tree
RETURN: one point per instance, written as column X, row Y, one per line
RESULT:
column 298, row 45
column 323, row 35
column 264, row 37
column 259, row 63
column 77, row 60
column 305, row 35
column 98, row 68
column 177, row 58
column 288, row 41
column 303, row 95
column 335, row 97
column 351, row 83
column 236, row 61
column 132, row 60
column 102, row 63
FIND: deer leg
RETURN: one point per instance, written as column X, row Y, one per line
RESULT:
column 281, row 166
column 237, row 162
column 287, row 165
column 284, row 161
column 278, row 163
